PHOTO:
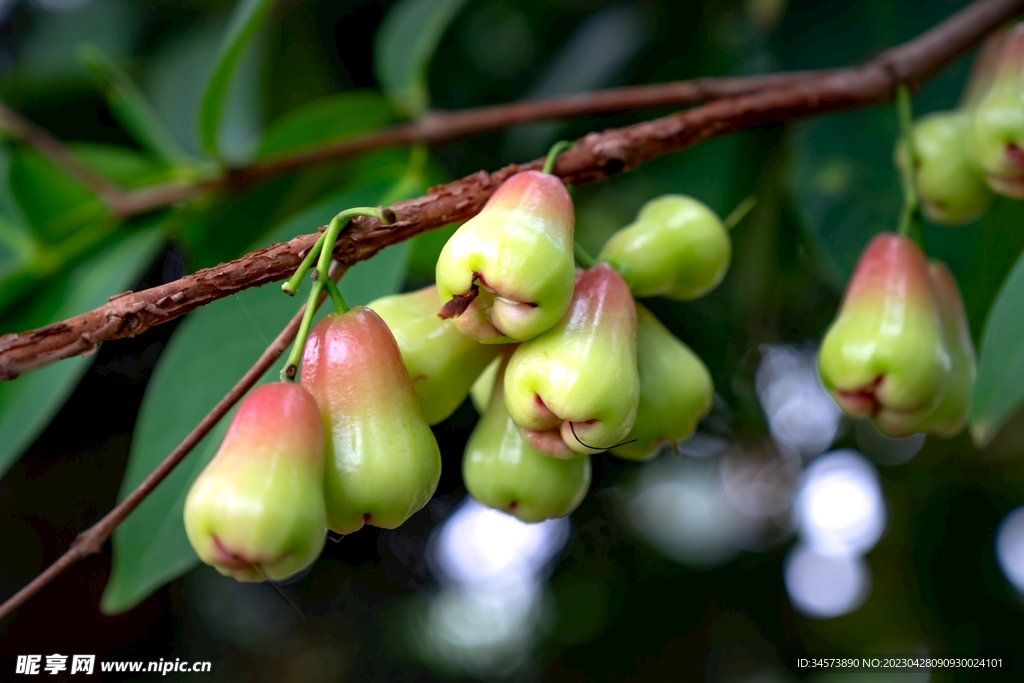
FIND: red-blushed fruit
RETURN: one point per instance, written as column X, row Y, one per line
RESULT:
column 885, row 354
column 259, row 504
column 383, row 463
column 507, row 274
column 996, row 135
column 952, row 413
column 575, row 388
column 503, row 471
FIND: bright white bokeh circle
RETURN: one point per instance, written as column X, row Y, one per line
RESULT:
column 839, row 506
column 1010, row 548
column 825, row 586
column 477, row 544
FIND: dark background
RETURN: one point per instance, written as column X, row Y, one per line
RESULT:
column 618, row 610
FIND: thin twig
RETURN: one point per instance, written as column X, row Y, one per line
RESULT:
column 444, row 126
column 53, row 149
column 596, row 156
column 92, row 539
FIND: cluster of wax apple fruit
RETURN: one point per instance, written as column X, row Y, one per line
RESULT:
column 565, row 364
column 900, row 350
column 964, row 156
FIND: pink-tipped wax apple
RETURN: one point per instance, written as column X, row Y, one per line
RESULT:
column 885, row 355
column 383, row 463
column 507, row 274
column 996, row 135
column 504, row 472
column 574, row 389
column 258, row 506
column 951, row 186
column 954, row 409
column 442, row 362
column 676, row 390
column 677, row 248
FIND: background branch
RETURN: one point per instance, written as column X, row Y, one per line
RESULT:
column 597, row 156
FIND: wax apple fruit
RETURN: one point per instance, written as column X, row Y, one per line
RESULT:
column 954, row 409
column 677, row 248
column 259, row 504
column 575, row 388
column 675, row 390
column 503, row 471
column 885, row 354
column 996, row 134
column 442, row 362
column 507, row 274
column 950, row 185
column 383, row 462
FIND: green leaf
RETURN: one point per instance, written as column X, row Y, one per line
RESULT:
column 405, row 44
column 999, row 388
column 211, row 350
column 249, row 15
column 329, row 119
column 28, row 403
column 52, row 202
column 844, row 186
column 130, row 107
column 124, row 166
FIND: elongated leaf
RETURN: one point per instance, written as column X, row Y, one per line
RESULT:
column 329, row 119
column 28, row 403
column 404, row 47
column 53, row 204
column 130, row 107
column 999, row 389
column 248, row 17
column 206, row 356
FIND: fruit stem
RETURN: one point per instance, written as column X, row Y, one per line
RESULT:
column 556, row 149
column 582, row 257
column 292, row 285
column 740, row 212
column 910, row 203
column 339, row 301
column 330, row 236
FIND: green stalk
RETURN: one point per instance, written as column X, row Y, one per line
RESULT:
column 740, row 212
column 582, row 257
column 556, row 149
column 910, row 201
column 330, row 236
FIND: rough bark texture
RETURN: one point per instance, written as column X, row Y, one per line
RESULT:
column 597, row 156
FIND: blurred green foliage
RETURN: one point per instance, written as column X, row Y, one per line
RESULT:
column 175, row 90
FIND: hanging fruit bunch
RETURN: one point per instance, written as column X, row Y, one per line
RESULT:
column 562, row 360
column 963, row 157
column 899, row 350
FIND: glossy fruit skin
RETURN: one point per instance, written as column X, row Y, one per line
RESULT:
column 442, row 362
column 260, row 499
column 885, row 354
column 483, row 387
column 951, row 186
column 676, row 248
column 383, row 463
column 953, row 411
column 676, row 390
column 517, row 255
column 502, row 471
column 996, row 135
column 580, row 376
